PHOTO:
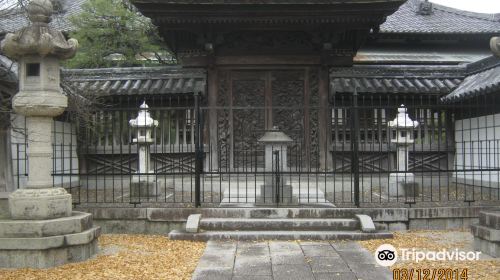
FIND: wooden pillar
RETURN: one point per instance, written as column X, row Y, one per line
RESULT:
column 213, row 156
column 324, row 120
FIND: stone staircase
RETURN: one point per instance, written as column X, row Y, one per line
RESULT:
column 268, row 224
column 487, row 233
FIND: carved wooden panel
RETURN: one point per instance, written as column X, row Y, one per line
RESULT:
column 314, row 117
column 249, row 116
column 223, row 120
column 288, row 109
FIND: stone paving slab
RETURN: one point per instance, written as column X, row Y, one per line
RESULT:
column 280, row 260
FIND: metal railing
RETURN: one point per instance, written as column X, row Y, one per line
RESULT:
column 454, row 159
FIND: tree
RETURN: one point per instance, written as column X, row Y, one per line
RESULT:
column 112, row 28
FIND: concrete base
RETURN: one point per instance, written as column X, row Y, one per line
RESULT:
column 144, row 187
column 490, row 248
column 47, row 243
column 4, row 205
column 487, row 233
column 47, row 258
column 39, row 204
column 403, row 185
column 268, row 196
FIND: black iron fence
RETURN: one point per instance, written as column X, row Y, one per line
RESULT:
column 452, row 157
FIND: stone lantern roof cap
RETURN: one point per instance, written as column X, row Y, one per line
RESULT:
column 403, row 120
column 275, row 136
column 38, row 38
column 144, row 119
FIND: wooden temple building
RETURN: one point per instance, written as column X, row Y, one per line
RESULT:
column 328, row 73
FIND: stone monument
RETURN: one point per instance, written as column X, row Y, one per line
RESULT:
column 402, row 183
column 42, row 230
column 276, row 189
column 144, row 182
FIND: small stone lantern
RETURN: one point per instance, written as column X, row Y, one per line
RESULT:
column 402, row 135
column 143, row 184
column 275, row 189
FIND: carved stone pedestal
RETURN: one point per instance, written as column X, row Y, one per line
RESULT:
column 39, row 204
column 47, row 243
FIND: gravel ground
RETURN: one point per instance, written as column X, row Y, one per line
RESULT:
column 486, row 268
column 125, row 257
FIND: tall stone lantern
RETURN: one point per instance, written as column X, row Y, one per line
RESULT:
column 275, row 189
column 402, row 136
column 143, row 183
column 43, row 230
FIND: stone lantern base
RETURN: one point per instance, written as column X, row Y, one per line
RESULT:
column 144, row 186
column 268, row 195
column 47, row 243
column 39, row 204
column 403, row 185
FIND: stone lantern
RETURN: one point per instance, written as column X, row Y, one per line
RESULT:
column 42, row 231
column 275, row 189
column 144, row 182
column 402, row 136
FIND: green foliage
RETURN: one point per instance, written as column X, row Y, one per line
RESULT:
column 110, row 27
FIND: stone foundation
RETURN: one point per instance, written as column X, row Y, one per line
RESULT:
column 47, row 243
column 268, row 196
column 487, row 233
column 145, row 187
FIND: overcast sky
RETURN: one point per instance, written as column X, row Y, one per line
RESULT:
column 481, row 6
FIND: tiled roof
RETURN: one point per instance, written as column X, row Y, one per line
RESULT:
column 7, row 71
column 397, row 79
column 405, row 20
column 137, row 80
column 479, row 81
column 263, row 2
column 16, row 19
column 441, row 20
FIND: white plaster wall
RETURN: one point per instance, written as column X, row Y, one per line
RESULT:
column 65, row 152
column 478, row 148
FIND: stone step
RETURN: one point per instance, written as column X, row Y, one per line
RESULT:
column 277, row 235
column 76, row 223
column 490, row 219
column 300, row 213
column 215, row 224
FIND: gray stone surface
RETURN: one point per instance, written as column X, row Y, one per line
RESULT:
column 486, row 233
column 487, row 247
column 193, row 223
column 47, row 258
column 4, row 205
column 490, row 219
column 276, row 260
column 44, row 243
column 366, row 222
column 75, row 223
column 39, row 204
